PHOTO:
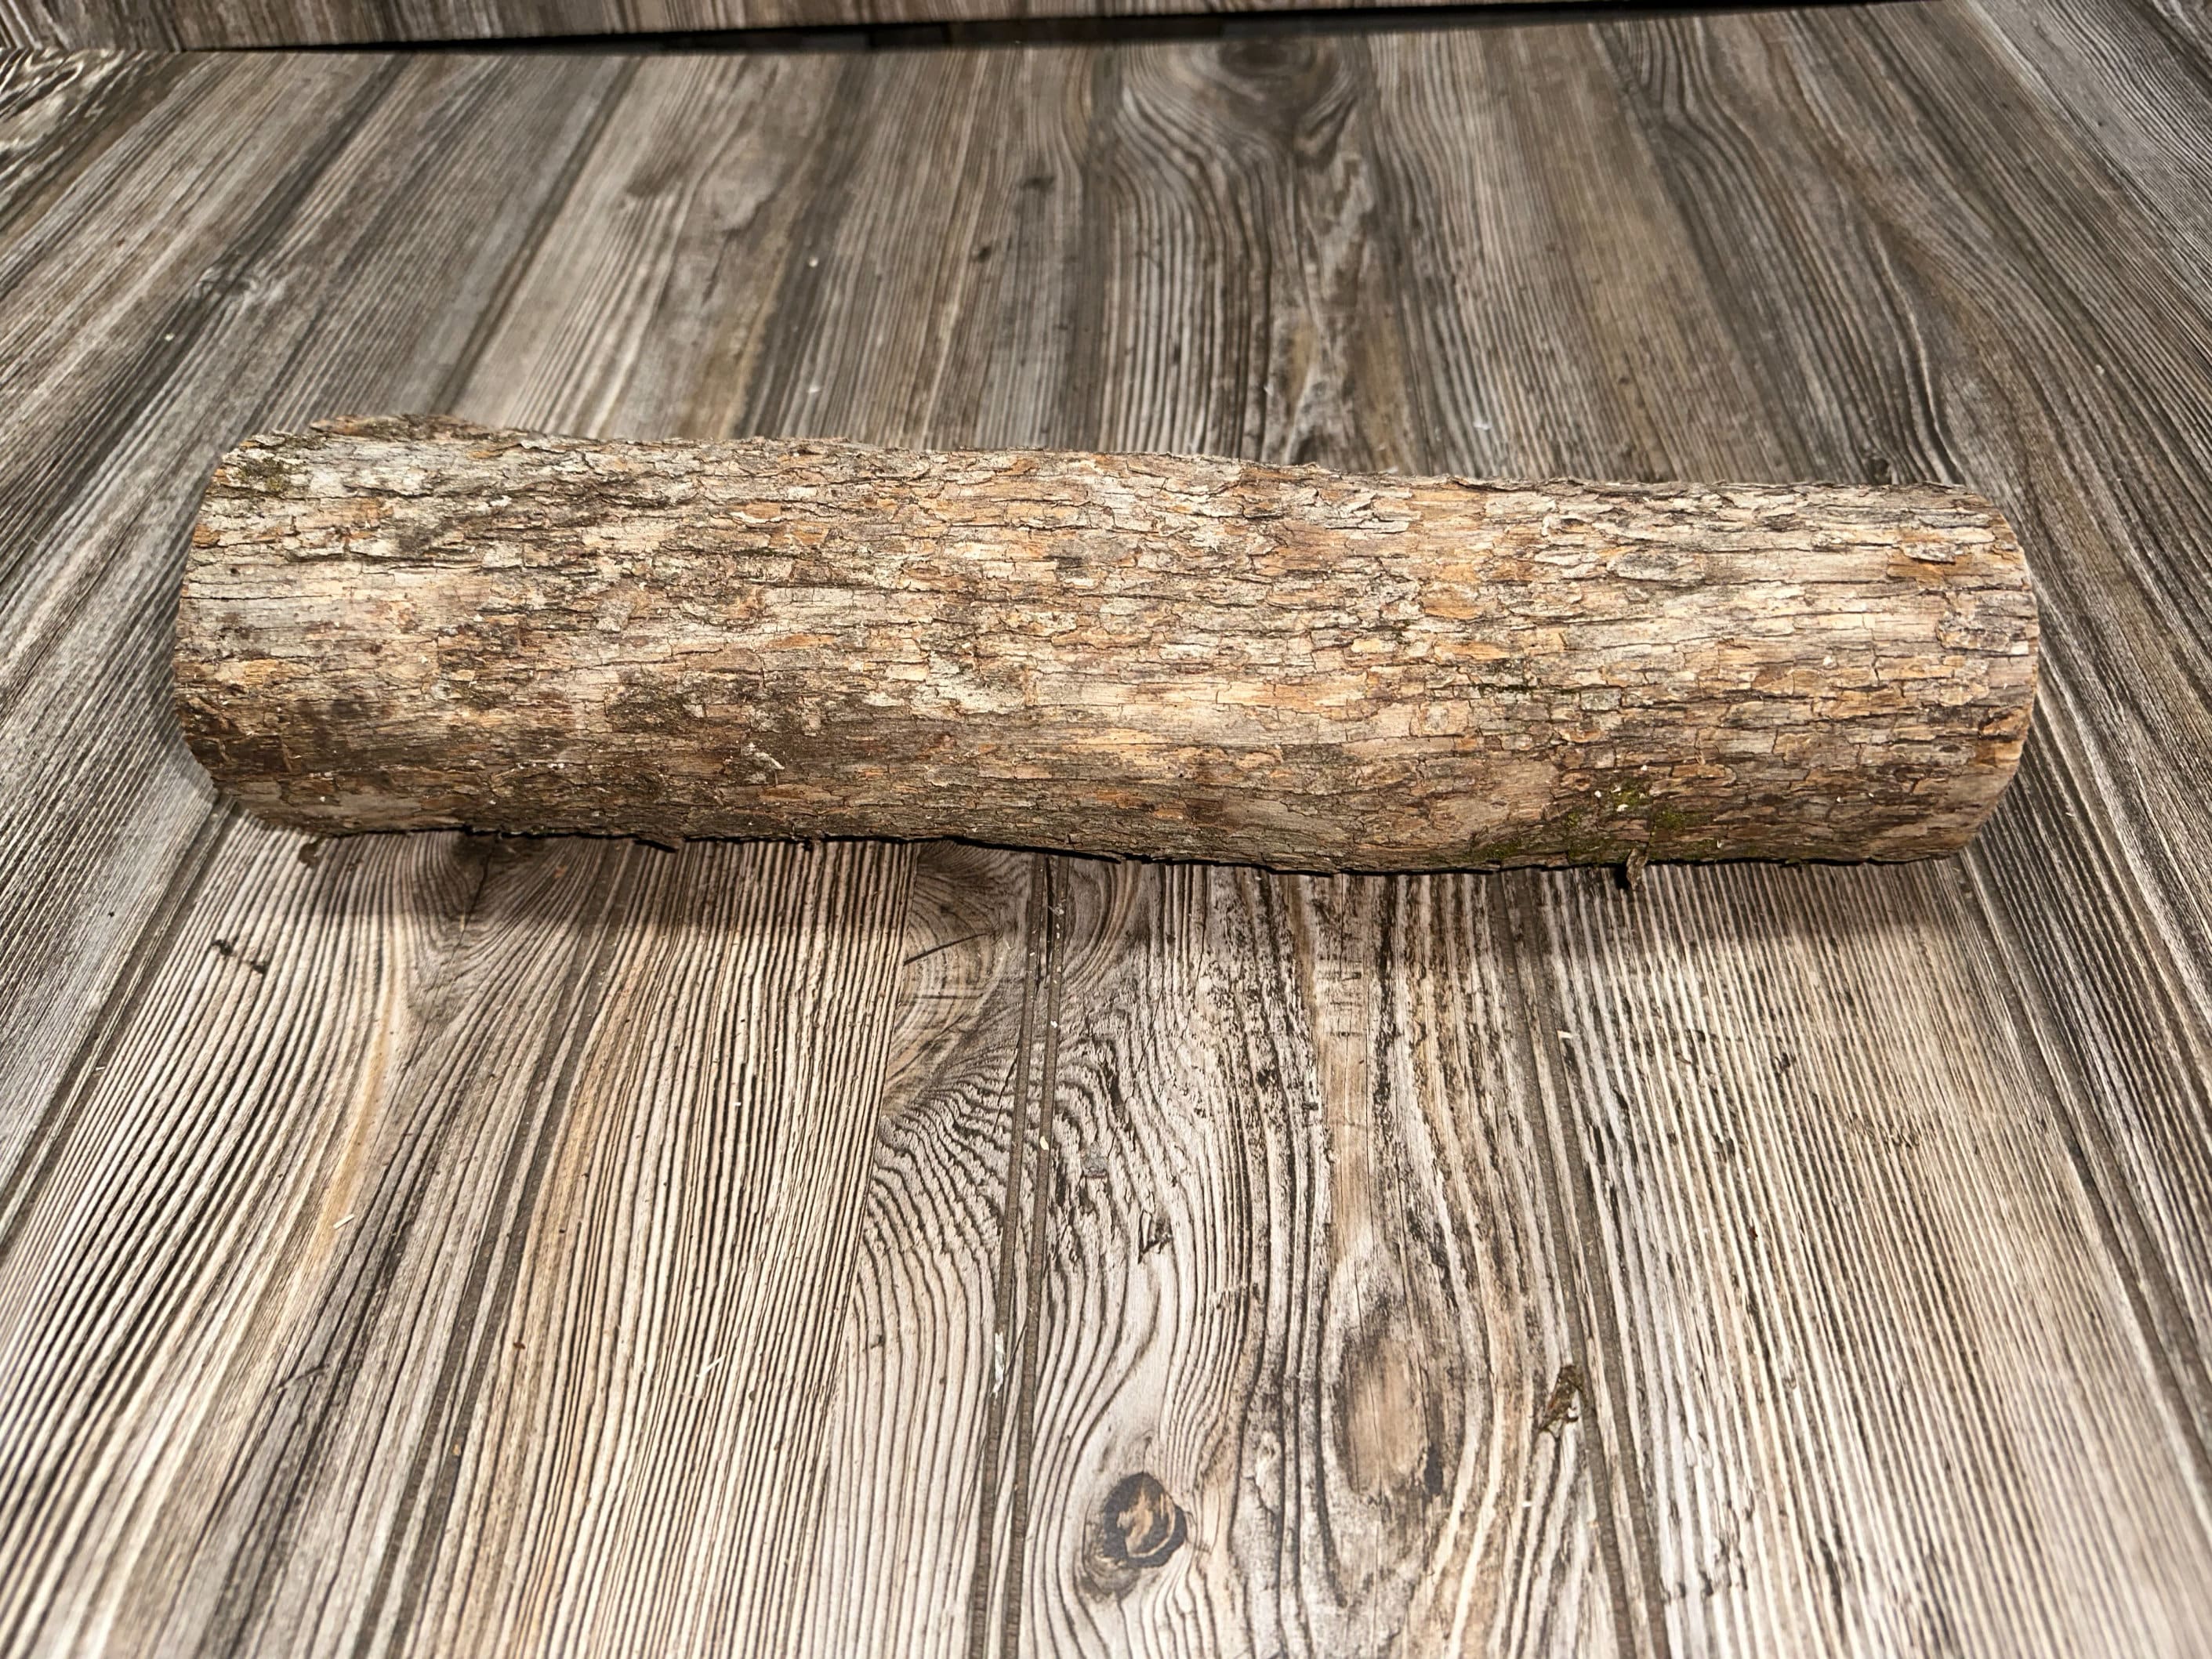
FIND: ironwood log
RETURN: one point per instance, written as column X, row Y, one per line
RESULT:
column 396, row 624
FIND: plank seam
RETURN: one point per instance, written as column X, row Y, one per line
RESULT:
column 497, row 308
column 1017, row 1508
column 995, row 1416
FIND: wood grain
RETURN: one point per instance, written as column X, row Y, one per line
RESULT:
column 168, row 24
column 115, row 382
column 2066, row 407
column 1103, row 1259
column 262, row 1579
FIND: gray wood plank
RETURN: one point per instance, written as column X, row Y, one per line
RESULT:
column 1346, row 1428
column 578, row 1245
column 1313, row 1133
column 225, row 292
column 2121, row 82
column 1708, row 1560
column 365, row 1357
column 44, row 91
column 2056, row 349
column 168, row 25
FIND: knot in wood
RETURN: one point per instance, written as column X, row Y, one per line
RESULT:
column 1140, row 1525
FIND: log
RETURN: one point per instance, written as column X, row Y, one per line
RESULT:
column 402, row 624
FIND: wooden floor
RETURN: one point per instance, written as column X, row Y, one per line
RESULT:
column 453, row 1245
column 168, row 24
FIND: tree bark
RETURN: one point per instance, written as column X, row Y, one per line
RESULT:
column 406, row 624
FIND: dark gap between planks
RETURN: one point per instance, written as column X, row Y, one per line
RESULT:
column 1093, row 31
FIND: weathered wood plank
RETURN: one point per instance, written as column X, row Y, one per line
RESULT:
column 676, row 231
column 2123, row 845
column 2127, row 83
column 1296, row 1284
column 278, row 281
column 1824, row 1193
column 627, row 1372
column 259, row 1194
column 1869, row 1207
column 1188, row 307
column 2003, row 295
column 361, row 1372
column 50, row 103
column 908, row 1516
column 167, row 25
column 1241, row 1269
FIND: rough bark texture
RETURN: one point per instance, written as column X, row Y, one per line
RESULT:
column 405, row 624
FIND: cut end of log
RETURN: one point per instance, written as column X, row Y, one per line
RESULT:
column 404, row 624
